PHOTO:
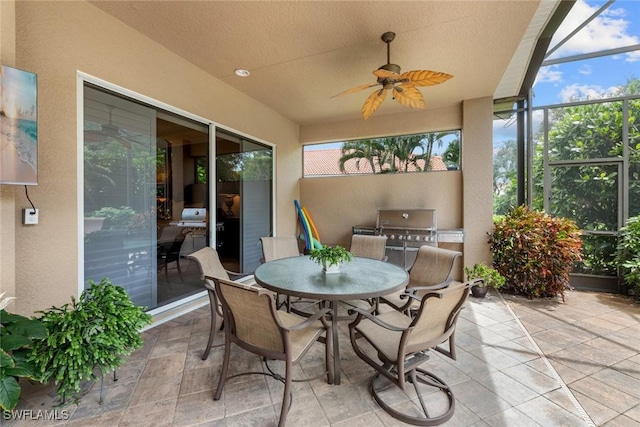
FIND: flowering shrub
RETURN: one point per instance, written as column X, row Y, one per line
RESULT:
column 535, row 252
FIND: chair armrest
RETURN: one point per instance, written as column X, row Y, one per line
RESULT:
column 414, row 289
column 309, row 320
column 374, row 319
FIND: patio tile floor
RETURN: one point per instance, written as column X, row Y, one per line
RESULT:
column 520, row 363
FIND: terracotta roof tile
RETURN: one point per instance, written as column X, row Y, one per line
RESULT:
column 327, row 162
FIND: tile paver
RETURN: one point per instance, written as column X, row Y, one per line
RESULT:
column 588, row 374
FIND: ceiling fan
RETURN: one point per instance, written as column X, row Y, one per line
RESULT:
column 110, row 131
column 403, row 86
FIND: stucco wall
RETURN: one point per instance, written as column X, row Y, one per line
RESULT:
column 462, row 199
column 55, row 40
column 477, row 189
column 7, row 192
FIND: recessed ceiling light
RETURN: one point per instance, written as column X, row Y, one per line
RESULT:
column 242, row 72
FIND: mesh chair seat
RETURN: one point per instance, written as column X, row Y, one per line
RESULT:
column 401, row 343
column 430, row 271
column 365, row 246
column 210, row 266
column 253, row 322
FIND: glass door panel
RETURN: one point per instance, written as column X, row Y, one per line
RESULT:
column 119, row 194
column 244, row 179
column 146, row 198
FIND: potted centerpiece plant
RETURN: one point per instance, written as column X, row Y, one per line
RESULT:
column 491, row 278
column 330, row 257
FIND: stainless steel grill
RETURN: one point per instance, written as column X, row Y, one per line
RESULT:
column 406, row 231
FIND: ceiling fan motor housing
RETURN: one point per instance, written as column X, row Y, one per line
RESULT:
column 386, row 81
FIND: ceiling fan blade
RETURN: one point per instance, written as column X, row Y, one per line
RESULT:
column 409, row 96
column 386, row 74
column 356, row 89
column 425, row 77
column 373, row 102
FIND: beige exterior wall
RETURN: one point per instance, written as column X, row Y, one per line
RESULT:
column 7, row 192
column 57, row 39
column 462, row 199
column 477, row 189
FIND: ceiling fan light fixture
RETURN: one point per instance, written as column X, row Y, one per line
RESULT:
column 241, row 72
column 403, row 85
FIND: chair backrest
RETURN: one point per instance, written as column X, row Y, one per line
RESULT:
column 432, row 266
column 279, row 247
column 435, row 320
column 209, row 263
column 368, row 246
column 251, row 315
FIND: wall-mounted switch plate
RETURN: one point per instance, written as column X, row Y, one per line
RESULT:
column 30, row 216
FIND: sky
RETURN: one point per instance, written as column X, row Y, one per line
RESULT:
column 617, row 26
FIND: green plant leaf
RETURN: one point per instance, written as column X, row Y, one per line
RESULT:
column 9, row 393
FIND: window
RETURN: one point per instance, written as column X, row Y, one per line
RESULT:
column 435, row 151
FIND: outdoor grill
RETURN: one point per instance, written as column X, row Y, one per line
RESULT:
column 406, row 231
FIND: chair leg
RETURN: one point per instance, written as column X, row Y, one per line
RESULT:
column 328, row 357
column 179, row 269
column 225, row 367
column 286, row 398
column 213, row 302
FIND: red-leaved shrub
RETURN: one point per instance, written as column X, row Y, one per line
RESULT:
column 535, row 252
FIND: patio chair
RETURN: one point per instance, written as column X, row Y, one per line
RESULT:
column 168, row 252
column 253, row 322
column 366, row 246
column 276, row 248
column 430, row 271
column 402, row 343
column 279, row 247
column 210, row 266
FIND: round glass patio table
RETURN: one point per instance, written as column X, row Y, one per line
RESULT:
column 361, row 278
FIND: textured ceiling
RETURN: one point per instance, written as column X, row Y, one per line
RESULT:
column 300, row 53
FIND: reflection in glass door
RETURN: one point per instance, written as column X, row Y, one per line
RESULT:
column 146, row 198
column 244, row 182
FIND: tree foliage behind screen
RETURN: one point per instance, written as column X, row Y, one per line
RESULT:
column 587, row 193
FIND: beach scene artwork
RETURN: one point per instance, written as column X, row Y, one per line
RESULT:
column 18, row 127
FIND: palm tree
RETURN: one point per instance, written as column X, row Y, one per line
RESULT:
column 393, row 154
column 368, row 150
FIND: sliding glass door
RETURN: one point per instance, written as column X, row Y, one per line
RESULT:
column 244, row 176
column 149, row 201
column 120, row 195
column 146, row 198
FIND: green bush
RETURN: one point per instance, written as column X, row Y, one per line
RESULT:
column 628, row 256
column 92, row 333
column 16, row 338
column 535, row 252
column 490, row 276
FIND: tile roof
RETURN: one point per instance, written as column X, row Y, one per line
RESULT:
column 327, row 162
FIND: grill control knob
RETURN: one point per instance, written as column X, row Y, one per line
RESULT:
column 392, row 237
column 417, row 238
column 408, row 237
